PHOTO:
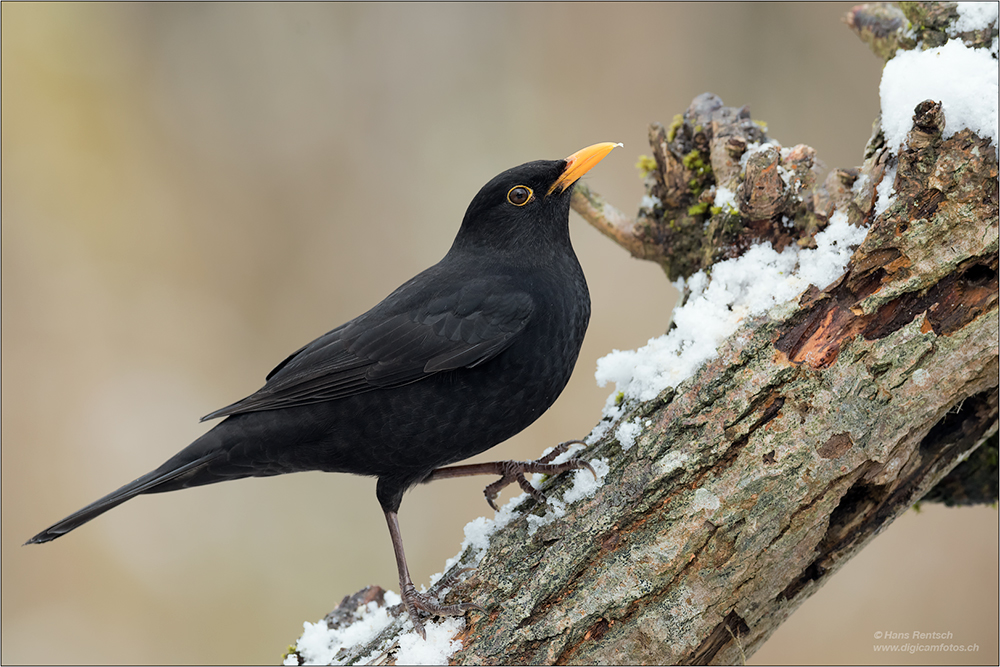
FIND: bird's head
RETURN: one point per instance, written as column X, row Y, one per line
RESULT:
column 527, row 205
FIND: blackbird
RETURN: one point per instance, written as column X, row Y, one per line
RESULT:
column 456, row 360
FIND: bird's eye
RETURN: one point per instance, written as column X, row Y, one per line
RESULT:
column 519, row 195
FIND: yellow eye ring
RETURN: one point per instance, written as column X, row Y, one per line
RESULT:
column 519, row 195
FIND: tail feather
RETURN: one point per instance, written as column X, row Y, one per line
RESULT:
column 148, row 483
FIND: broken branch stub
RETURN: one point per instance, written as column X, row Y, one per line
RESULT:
column 717, row 185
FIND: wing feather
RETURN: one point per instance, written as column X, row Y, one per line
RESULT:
column 402, row 340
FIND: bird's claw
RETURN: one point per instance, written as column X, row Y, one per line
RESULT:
column 513, row 471
column 414, row 601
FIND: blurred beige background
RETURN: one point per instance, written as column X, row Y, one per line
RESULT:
column 191, row 192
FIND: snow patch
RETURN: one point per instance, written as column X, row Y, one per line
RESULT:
column 318, row 644
column 749, row 285
column 974, row 16
column 886, row 191
column 436, row 649
column 726, row 200
column 627, row 433
column 584, row 486
column 963, row 80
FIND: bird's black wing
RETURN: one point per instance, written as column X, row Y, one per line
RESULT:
column 402, row 340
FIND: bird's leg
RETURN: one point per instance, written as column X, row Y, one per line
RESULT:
column 412, row 600
column 513, row 471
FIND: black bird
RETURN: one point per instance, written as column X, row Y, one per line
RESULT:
column 456, row 360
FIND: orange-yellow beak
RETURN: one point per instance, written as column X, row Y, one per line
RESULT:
column 579, row 163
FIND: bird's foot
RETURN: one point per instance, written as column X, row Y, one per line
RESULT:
column 513, row 471
column 415, row 602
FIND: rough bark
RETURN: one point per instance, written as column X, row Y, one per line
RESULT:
column 816, row 425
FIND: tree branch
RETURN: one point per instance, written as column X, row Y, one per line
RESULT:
column 611, row 222
column 817, row 424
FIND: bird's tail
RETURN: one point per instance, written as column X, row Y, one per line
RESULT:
column 167, row 477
